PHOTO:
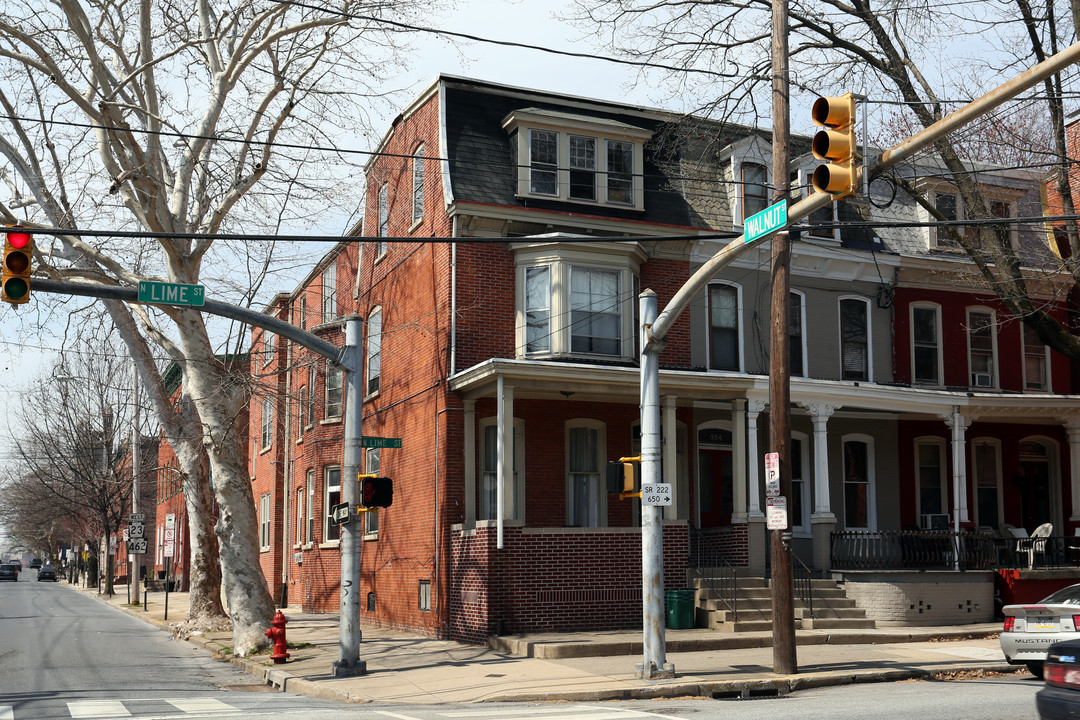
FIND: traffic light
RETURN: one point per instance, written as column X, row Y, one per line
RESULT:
column 836, row 144
column 376, row 491
column 624, row 475
column 18, row 251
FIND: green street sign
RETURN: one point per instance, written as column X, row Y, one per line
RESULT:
column 378, row 442
column 164, row 293
column 767, row 221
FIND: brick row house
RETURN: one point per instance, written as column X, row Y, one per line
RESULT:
column 507, row 234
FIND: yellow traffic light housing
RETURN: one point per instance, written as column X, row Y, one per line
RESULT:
column 836, row 144
column 18, row 254
column 624, row 477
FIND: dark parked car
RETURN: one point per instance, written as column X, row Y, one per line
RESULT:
column 46, row 572
column 1060, row 697
column 9, row 572
column 35, row 563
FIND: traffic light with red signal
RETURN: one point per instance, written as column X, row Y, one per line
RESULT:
column 376, row 491
column 15, row 278
column 836, row 144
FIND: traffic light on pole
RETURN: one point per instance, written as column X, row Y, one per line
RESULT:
column 376, row 491
column 836, row 144
column 624, row 476
column 18, row 252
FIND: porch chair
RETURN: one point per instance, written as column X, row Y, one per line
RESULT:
column 1036, row 544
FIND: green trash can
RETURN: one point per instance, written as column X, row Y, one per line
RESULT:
column 680, row 609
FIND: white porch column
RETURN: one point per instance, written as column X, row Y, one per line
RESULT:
column 470, row 463
column 505, row 479
column 819, row 416
column 754, row 408
column 740, row 486
column 959, row 424
column 1072, row 430
column 670, row 458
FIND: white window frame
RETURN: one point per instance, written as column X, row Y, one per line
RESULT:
column 268, row 348
column 1045, row 357
column 487, row 476
column 561, row 259
column 334, row 397
column 800, row 526
column 264, row 522
column 267, row 425
column 936, row 239
column 373, row 353
column 741, row 210
column 329, row 292
column 309, row 535
column 999, row 516
column 603, row 132
column 328, row 491
column 301, row 517
column 739, row 330
column 993, row 379
column 802, row 371
column 944, row 472
column 871, row 481
column 418, row 184
column 309, row 410
column 936, row 309
column 383, row 214
column 300, row 419
column 600, row 489
column 869, row 335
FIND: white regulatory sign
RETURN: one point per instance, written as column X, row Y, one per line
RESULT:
column 170, row 548
column 772, row 474
column 776, row 517
column 656, row 494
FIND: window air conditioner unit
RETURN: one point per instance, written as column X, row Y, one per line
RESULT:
column 935, row 521
column 982, row 380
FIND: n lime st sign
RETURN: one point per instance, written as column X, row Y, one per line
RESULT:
column 164, row 293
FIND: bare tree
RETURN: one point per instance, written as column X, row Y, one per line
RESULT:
column 187, row 119
column 911, row 52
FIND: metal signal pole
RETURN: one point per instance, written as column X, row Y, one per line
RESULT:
column 783, row 583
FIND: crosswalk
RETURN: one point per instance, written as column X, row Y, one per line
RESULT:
column 158, row 707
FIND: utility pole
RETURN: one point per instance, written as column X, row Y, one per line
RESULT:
column 133, row 578
column 783, row 583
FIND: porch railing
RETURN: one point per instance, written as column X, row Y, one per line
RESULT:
column 716, row 574
column 948, row 550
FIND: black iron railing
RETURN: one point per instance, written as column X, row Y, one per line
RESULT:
column 948, row 550
column 716, row 574
column 804, row 584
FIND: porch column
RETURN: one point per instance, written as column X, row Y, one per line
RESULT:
column 1072, row 431
column 738, row 460
column 670, row 460
column 822, row 519
column 959, row 424
column 470, row 463
column 757, row 538
column 505, row 457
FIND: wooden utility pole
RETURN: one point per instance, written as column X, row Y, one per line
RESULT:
column 783, row 583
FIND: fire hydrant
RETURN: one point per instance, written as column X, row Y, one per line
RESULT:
column 276, row 633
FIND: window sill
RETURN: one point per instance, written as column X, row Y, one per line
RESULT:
column 331, row 544
column 371, row 396
column 368, row 537
column 266, row 449
column 330, row 421
column 412, row 228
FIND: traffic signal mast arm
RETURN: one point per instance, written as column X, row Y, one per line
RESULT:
column 888, row 159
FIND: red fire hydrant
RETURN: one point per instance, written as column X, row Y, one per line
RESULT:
column 276, row 633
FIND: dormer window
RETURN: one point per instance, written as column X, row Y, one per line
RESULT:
column 578, row 159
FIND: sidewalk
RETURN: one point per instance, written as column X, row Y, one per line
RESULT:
column 407, row 668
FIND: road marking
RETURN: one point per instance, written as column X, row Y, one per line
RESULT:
column 201, row 705
column 97, row 709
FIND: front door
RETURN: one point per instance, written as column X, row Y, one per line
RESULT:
column 716, row 487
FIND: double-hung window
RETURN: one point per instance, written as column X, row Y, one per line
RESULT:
column 371, row 467
column 383, row 228
column 301, row 413
column 932, row 487
column 301, row 521
column 855, row 339
column 1036, row 362
column 513, row 491
column 543, row 162
column 332, row 484
column 538, row 309
column 586, row 499
column 267, row 422
column 582, row 168
column 595, row 311
column 796, row 334
column 946, row 204
column 329, row 293
column 724, row 344
column 858, row 473
column 268, row 348
column 310, row 514
column 620, row 172
column 264, row 521
column 755, row 181
column 334, row 391
column 981, row 347
column 373, row 365
column 418, row 184
column 926, row 344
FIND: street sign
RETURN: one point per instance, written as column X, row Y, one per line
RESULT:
column 169, row 549
column 136, row 517
column 136, row 530
column 170, row 520
column 772, row 474
column 339, row 514
column 170, row 534
column 171, row 293
column 380, row 442
column 656, row 494
column 137, row 546
column 776, row 517
column 767, row 221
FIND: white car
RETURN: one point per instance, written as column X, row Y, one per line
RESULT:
column 1030, row 630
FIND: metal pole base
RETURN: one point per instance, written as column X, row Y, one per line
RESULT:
column 340, row 669
column 652, row 673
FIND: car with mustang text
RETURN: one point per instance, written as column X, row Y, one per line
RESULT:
column 1031, row 628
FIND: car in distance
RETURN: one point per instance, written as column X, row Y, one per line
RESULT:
column 35, row 563
column 9, row 571
column 1060, row 697
column 46, row 572
column 1030, row 629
